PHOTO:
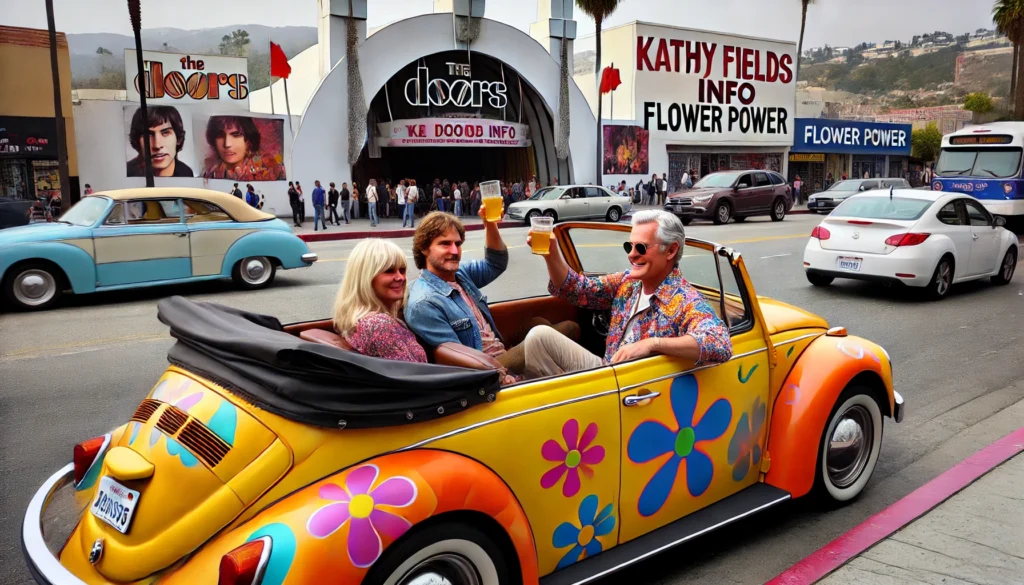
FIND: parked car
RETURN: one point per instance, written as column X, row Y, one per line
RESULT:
column 830, row 198
column 304, row 459
column 14, row 212
column 572, row 202
column 733, row 195
column 145, row 237
column 928, row 239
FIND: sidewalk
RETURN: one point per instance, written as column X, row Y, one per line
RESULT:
column 360, row 228
column 965, row 526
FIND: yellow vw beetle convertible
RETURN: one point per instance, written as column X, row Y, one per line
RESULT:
column 270, row 454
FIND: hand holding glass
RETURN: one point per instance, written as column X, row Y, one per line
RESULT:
column 540, row 234
column 490, row 194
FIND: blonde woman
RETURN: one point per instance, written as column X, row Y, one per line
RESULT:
column 369, row 304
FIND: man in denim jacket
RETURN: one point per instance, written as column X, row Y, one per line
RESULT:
column 445, row 303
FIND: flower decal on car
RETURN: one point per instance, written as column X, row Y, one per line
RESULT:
column 584, row 537
column 745, row 445
column 358, row 503
column 576, row 456
column 652, row 439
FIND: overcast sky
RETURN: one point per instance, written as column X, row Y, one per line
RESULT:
column 836, row 22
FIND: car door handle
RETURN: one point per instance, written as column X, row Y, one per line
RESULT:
column 974, row 236
column 636, row 399
column 182, row 234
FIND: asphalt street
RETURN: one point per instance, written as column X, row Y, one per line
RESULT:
column 78, row 370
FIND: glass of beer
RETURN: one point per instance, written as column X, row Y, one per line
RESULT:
column 490, row 195
column 540, row 234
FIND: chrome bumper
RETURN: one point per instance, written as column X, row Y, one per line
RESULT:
column 310, row 258
column 45, row 568
column 897, row 414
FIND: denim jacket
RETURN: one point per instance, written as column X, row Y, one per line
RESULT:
column 436, row 312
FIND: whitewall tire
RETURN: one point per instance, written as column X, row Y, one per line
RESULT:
column 448, row 554
column 849, row 446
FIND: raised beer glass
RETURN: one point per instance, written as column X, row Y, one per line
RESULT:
column 490, row 194
column 540, row 234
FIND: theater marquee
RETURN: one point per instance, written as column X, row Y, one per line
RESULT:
column 454, row 132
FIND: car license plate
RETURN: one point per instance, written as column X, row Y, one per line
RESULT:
column 850, row 264
column 115, row 504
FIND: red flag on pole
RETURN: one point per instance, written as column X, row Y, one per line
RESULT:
column 279, row 66
column 610, row 80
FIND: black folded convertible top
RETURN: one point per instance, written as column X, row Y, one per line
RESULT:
column 252, row 356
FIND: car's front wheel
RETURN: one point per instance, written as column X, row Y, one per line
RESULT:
column 453, row 553
column 254, row 273
column 723, row 213
column 849, row 446
column 1007, row 267
column 33, row 286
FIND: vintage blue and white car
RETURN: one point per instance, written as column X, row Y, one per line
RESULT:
column 146, row 237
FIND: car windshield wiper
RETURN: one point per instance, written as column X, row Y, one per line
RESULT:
column 989, row 172
column 943, row 173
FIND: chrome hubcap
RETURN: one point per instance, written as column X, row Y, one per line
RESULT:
column 34, row 287
column 942, row 282
column 779, row 210
column 849, row 447
column 443, row 569
column 614, row 215
column 723, row 213
column 256, row 270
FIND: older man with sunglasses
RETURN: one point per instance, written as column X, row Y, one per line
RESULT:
column 653, row 309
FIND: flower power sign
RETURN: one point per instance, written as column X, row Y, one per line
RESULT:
column 851, row 137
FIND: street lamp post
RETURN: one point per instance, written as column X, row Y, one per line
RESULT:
column 135, row 12
column 58, row 113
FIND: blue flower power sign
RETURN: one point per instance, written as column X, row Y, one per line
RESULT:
column 850, row 137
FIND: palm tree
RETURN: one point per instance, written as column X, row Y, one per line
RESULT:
column 1009, row 18
column 803, row 25
column 356, row 100
column 58, row 112
column 135, row 13
column 598, row 10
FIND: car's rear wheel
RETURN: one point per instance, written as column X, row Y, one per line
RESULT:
column 849, row 446
column 33, row 286
column 1007, row 268
column 453, row 553
column 614, row 214
column 531, row 215
column 551, row 213
column 819, row 279
column 942, row 279
column 723, row 213
column 779, row 209
column 254, row 273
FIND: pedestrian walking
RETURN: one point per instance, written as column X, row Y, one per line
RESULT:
column 797, row 187
column 319, row 201
column 236, row 191
column 302, row 203
column 411, row 197
column 438, row 196
column 355, row 200
column 251, row 197
column 458, row 201
column 293, row 200
column 88, row 189
column 346, row 201
column 663, row 188
column 332, row 205
column 371, row 202
column 400, row 197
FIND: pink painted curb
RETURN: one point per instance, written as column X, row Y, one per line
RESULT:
column 880, row 526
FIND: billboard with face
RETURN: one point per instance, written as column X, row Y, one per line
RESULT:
column 626, row 150
column 240, row 148
column 171, row 153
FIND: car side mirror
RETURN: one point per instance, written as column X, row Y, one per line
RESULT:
column 566, row 196
column 999, row 222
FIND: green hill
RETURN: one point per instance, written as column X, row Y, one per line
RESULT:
column 883, row 75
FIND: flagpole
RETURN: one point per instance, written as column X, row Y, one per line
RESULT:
column 271, row 80
column 289, row 108
column 611, row 112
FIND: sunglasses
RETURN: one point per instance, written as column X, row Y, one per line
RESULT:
column 640, row 248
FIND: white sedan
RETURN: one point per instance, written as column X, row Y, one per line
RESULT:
column 928, row 239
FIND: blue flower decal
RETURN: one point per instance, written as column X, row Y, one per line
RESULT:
column 653, row 439
column 745, row 445
column 583, row 538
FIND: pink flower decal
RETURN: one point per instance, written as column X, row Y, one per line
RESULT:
column 575, row 457
column 359, row 504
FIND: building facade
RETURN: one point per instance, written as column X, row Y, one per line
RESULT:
column 28, row 132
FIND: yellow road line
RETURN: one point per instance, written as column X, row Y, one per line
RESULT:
column 85, row 344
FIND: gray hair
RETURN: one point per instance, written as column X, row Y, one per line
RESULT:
column 670, row 228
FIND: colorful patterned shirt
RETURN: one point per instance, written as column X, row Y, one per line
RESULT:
column 677, row 309
column 381, row 335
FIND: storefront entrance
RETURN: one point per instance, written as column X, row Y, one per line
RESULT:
column 703, row 164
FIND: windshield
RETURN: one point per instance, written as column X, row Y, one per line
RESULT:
column 979, row 162
column 716, row 180
column 547, row 194
column 87, row 211
column 898, row 208
column 845, row 186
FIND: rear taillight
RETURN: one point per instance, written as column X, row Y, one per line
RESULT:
column 85, row 455
column 820, row 233
column 246, row 564
column 909, row 239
